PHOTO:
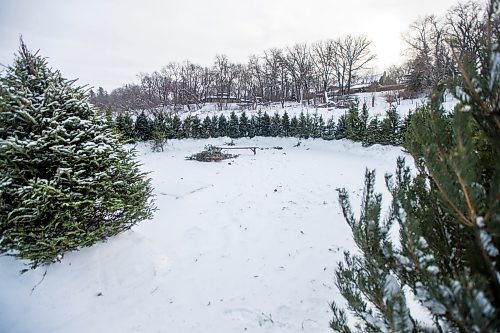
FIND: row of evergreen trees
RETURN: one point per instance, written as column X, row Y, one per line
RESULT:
column 355, row 125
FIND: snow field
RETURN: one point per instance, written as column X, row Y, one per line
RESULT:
column 243, row 245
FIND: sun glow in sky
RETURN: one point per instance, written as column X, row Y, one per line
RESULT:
column 107, row 43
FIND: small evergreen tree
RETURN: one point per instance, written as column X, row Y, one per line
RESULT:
column 222, row 126
column 142, row 127
column 234, row 126
column 294, row 127
column 176, row 127
column 265, row 125
column 243, row 124
column 196, row 127
column 187, row 127
column 329, row 133
column 275, row 127
column 372, row 133
column 340, row 130
column 206, row 128
column 66, row 181
column 214, row 132
column 285, row 125
column 252, row 127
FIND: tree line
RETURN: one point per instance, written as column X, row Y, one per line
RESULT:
column 355, row 124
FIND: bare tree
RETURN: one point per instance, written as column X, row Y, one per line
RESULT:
column 299, row 65
column 323, row 59
column 357, row 54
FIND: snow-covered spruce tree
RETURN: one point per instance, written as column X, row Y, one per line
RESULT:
column 66, row 182
column 448, row 215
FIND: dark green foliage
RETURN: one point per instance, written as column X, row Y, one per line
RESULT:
column 222, row 126
column 265, row 125
column 233, row 126
column 206, row 129
column 187, row 127
column 211, row 154
column 340, row 130
column 142, row 127
column 160, row 129
column 390, row 128
column 285, row 125
column 253, row 127
column 275, row 127
column 125, row 126
column 176, row 128
column 372, row 133
column 329, row 132
column 196, row 127
column 244, row 123
column 66, row 181
column 294, row 127
column 214, row 131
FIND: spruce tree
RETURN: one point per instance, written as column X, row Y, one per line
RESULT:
column 176, row 128
column 294, row 127
column 265, row 125
column 243, row 124
column 206, row 128
column 448, row 215
column 253, row 127
column 142, row 127
column 222, row 125
column 66, row 181
column 329, row 133
column 340, row 130
column 196, row 127
column 285, row 125
column 187, row 127
column 214, row 131
column 275, row 127
column 233, row 126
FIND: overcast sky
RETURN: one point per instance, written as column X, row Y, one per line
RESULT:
column 107, row 43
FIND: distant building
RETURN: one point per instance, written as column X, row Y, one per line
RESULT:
column 221, row 98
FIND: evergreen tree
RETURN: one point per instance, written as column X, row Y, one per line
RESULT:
column 142, row 127
column 243, row 124
column 275, row 127
column 340, row 130
column 285, row 125
column 125, row 127
column 67, row 182
column 294, row 127
column 353, row 122
column 109, row 116
column 206, row 128
column 448, row 216
column 187, row 127
column 329, row 133
column 176, row 127
column 372, row 134
column 389, row 128
column 214, row 132
column 222, row 126
column 253, row 126
column 159, row 130
column 265, row 125
column 234, row 126
column 302, row 126
column 196, row 128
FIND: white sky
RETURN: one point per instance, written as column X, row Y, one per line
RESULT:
column 107, row 43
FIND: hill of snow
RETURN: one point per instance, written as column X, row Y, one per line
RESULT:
column 248, row 244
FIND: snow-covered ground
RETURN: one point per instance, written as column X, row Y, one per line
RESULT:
column 243, row 245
